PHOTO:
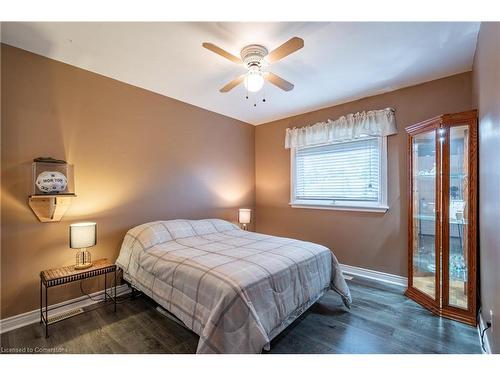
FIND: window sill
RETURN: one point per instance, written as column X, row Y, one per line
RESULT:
column 374, row 208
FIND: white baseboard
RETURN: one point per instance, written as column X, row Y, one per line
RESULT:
column 30, row 317
column 374, row 275
column 480, row 327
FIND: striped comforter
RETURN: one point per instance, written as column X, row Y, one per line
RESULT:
column 236, row 289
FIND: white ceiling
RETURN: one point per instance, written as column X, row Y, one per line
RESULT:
column 340, row 62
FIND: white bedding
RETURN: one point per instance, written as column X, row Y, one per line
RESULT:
column 235, row 289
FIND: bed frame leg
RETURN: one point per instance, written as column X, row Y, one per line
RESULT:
column 135, row 293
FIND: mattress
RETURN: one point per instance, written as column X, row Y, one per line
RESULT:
column 236, row 289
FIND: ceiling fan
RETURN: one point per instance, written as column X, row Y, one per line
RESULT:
column 256, row 58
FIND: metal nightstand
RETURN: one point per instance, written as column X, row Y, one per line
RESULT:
column 65, row 275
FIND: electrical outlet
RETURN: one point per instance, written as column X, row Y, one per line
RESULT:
column 491, row 319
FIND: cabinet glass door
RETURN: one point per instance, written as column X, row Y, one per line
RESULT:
column 424, row 177
column 458, row 217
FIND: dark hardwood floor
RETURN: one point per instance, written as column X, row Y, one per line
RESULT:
column 381, row 320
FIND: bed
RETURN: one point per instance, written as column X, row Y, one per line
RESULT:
column 236, row 289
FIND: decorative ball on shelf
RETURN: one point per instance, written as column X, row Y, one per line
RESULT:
column 51, row 182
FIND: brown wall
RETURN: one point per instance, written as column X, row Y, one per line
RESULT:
column 138, row 157
column 369, row 240
column 486, row 78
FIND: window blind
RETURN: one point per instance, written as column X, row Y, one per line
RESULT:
column 348, row 171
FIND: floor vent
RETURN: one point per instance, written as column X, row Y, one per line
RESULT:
column 65, row 315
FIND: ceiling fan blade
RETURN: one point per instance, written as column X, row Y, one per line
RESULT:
column 231, row 85
column 285, row 49
column 212, row 47
column 278, row 81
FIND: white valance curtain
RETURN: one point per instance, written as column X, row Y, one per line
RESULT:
column 378, row 123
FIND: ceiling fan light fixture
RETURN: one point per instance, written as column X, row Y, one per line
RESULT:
column 256, row 57
column 254, row 80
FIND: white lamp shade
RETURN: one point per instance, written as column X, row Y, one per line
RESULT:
column 244, row 215
column 82, row 235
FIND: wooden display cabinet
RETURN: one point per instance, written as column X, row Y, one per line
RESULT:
column 442, row 215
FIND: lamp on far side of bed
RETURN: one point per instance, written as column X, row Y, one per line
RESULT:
column 81, row 236
column 244, row 216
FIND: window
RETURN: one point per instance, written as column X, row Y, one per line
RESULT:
column 346, row 175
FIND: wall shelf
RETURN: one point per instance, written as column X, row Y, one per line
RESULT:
column 50, row 207
column 52, row 189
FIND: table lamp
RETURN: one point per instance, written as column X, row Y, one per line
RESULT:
column 244, row 216
column 82, row 236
